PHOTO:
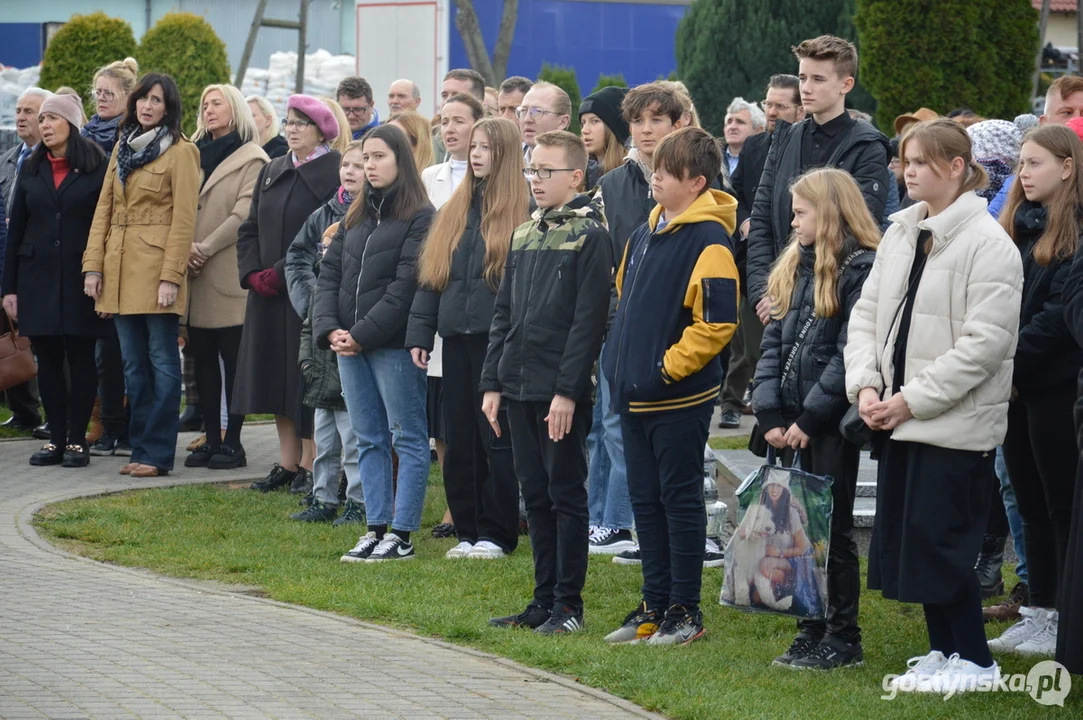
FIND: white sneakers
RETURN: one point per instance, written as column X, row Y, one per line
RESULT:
column 934, row 673
column 483, row 550
column 1035, row 634
column 459, row 551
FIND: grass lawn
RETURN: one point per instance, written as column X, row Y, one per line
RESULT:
column 8, row 432
column 232, row 535
column 729, row 443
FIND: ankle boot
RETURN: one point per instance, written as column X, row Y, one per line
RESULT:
column 988, row 566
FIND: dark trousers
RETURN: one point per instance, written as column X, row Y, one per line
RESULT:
column 833, row 455
column 997, row 524
column 664, row 454
column 68, row 380
column 744, row 356
column 1041, row 456
column 479, row 473
column 205, row 346
column 958, row 627
column 553, row 478
column 22, row 400
column 115, row 416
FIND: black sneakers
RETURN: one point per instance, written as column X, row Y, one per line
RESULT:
column 352, row 513
column 279, row 477
column 730, row 419
column 639, row 625
column 680, row 627
column 801, row 646
column 104, row 446
column 443, row 530
column 392, row 547
column 831, row 653
column 562, row 622
column 628, row 557
column 302, row 482
column 533, row 617
column 361, row 551
column 316, row 512
column 607, row 541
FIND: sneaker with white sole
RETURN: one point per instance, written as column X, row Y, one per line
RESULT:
column 958, row 676
column 486, row 550
column 919, row 669
column 392, row 547
column 629, row 557
column 612, row 542
column 1043, row 642
column 680, row 627
column 364, row 547
column 712, row 555
column 1019, row 633
column 459, row 551
column 562, row 621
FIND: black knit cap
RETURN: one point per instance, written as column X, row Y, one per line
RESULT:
column 606, row 104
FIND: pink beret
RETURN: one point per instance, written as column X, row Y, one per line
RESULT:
column 1076, row 126
column 317, row 112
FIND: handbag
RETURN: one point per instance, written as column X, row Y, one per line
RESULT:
column 17, row 364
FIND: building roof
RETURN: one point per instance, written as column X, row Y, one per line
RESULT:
column 1065, row 6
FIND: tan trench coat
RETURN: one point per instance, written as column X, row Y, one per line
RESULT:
column 142, row 232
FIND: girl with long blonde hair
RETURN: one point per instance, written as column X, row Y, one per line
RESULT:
column 417, row 132
column 800, row 394
column 459, row 270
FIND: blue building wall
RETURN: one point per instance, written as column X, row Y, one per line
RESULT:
column 633, row 39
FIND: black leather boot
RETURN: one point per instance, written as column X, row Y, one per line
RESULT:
column 988, row 566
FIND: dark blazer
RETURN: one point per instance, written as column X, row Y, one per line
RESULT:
column 44, row 255
column 746, row 178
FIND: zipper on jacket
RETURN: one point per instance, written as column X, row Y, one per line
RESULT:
column 628, row 295
column 357, row 291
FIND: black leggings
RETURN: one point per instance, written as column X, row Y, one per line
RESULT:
column 958, row 627
column 68, row 402
column 206, row 345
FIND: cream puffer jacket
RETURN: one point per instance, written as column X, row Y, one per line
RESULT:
column 962, row 332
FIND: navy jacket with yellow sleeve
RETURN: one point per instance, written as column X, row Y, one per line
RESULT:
column 678, row 291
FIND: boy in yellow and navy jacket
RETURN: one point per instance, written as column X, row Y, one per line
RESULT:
column 678, row 291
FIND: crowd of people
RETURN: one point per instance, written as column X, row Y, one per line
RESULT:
column 554, row 319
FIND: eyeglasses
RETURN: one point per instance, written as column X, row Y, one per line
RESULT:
column 356, row 110
column 299, row 124
column 535, row 113
column 543, row 173
column 781, row 107
column 104, row 95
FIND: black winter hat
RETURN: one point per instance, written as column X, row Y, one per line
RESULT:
column 606, row 104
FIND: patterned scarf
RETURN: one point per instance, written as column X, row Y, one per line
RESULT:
column 345, row 197
column 320, row 151
column 102, row 132
column 139, row 149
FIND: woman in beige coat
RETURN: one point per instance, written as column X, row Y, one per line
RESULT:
column 136, row 262
column 231, row 159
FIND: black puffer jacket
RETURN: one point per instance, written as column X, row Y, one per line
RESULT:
column 369, row 276
column 302, row 254
column 862, row 153
column 319, row 368
column 465, row 306
column 1046, row 354
column 813, row 393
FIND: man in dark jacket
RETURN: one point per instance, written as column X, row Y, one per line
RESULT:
column 783, row 103
column 547, row 329
column 829, row 137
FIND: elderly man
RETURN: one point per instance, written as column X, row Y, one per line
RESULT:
column 743, row 120
column 22, row 400
column 510, row 97
column 544, row 109
column 403, row 95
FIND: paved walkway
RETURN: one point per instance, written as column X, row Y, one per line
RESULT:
column 79, row 639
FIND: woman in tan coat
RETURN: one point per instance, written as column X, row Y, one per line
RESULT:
column 231, row 159
column 136, row 262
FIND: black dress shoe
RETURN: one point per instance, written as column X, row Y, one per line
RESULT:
column 228, row 458
column 302, row 482
column 48, row 455
column 277, row 478
column 76, row 456
column 200, row 457
column 191, row 420
column 42, row 432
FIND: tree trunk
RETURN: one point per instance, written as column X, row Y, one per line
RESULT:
column 503, row 40
column 466, row 20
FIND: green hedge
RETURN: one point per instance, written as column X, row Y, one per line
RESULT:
column 565, row 78
column 84, row 44
column 605, row 81
column 186, row 47
column 977, row 54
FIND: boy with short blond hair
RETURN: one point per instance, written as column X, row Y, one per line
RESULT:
column 677, row 280
column 555, row 296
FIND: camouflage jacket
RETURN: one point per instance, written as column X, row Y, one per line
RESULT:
column 552, row 306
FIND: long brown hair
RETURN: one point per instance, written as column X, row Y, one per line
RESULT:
column 503, row 208
column 840, row 213
column 1061, row 236
column 410, row 194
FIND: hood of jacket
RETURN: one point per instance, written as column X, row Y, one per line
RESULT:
column 711, row 206
column 583, row 205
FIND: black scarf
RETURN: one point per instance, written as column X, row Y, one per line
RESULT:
column 102, row 132
column 129, row 160
column 213, row 152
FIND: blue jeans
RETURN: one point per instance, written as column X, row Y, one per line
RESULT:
column 607, row 479
column 385, row 395
column 152, row 375
column 1015, row 520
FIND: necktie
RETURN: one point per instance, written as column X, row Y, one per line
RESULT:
column 23, row 156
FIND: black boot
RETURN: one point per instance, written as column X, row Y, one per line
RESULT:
column 277, row 478
column 988, row 566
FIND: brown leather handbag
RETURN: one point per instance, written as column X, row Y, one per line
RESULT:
column 16, row 358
